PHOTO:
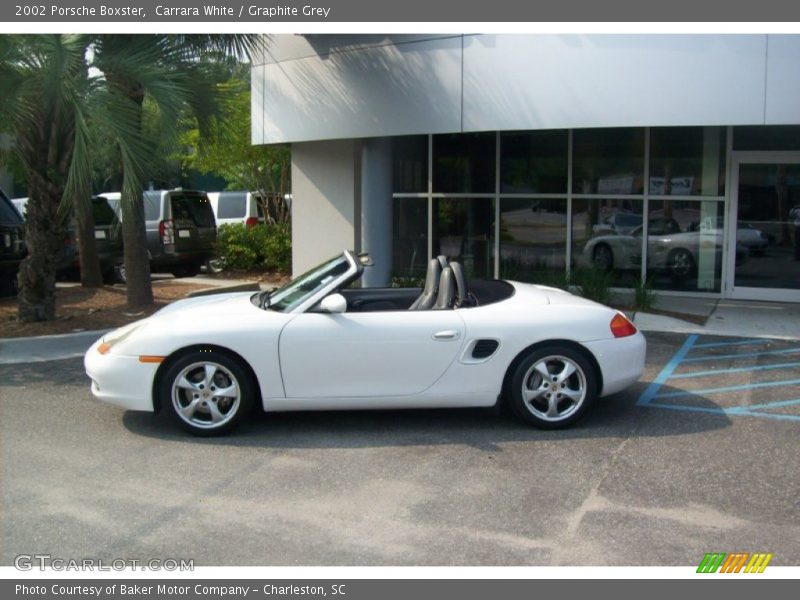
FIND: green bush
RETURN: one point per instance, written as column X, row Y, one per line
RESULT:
column 644, row 297
column 267, row 247
column 593, row 284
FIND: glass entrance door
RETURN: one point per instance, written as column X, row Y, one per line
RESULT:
column 764, row 257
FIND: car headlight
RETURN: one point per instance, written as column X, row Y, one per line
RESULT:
column 115, row 337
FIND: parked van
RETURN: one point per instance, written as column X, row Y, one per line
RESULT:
column 12, row 246
column 181, row 230
column 236, row 207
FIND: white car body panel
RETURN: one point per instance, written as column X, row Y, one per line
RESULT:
column 378, row 360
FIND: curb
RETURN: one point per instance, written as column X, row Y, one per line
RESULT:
column 241, row 287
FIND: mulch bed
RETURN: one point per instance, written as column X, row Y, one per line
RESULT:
column 86, row 309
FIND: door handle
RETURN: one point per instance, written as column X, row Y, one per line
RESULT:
column 443, row 336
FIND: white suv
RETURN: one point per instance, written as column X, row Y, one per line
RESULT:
column 236, row 207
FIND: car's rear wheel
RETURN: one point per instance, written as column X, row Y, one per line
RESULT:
column 552, row 387
column 208, row 393
column 603, row 258
column 681, row 263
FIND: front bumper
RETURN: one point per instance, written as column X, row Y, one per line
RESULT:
column 120, row 380
column 621, row 361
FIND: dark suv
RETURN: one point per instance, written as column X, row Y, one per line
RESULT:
column 12, row 245
column 181, row 230
column 108, row 242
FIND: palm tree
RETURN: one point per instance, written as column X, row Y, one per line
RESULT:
column 43, row 85
column 171, row 71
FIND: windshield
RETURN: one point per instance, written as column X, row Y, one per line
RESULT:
column 291, row 295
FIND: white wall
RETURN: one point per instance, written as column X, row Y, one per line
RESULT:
column 346, row 86
column 323, row 201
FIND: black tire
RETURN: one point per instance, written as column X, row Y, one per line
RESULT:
column 186, row 270
column 572, row 399
column 681, row 264
column 603, row 258
column 201, row 407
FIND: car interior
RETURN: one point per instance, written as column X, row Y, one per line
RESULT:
column 445, row 288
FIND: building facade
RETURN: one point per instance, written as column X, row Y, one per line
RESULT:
column 671, row 159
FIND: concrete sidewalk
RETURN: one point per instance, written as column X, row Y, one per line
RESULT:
column 743, row 318
column 46, row 347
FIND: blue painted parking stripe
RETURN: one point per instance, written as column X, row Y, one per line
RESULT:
column 736, row 370
column 731, row 388
column 743, row 355
column 727, row 411
column 736, row 343
column 651, row 391
column 776, row 404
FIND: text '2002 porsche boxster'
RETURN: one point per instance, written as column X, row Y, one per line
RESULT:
column 320, row 343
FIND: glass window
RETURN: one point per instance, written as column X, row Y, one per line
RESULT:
column 409, row 240
column 684, row 245
column 232, row 206
column 8, row 213
column 608, row 161
column 772, row 137
column 533, row 239
column 463, row 230
column 534, row 162
column 607, row 235
column 309, row 283
column 152, row 206
column 687, row 161
column 193, row 208
column 464, row 163
column 102, row 212
column 410, row 158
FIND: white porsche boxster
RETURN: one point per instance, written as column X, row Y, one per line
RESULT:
column 320, row 343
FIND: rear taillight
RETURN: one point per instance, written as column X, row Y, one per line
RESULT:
column 251, row 222
column 621, row 326
column 166, row 229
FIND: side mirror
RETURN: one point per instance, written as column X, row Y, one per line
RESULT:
column 335, row 303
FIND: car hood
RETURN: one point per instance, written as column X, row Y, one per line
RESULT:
column 215, row 305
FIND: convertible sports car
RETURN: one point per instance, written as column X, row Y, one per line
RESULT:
column 319, row 343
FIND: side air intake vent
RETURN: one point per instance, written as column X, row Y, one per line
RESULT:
column 484, row 348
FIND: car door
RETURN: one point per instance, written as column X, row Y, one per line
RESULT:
column 396, row 353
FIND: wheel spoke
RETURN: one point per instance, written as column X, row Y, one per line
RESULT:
column 216, row 415
column 574, row 395
column 541, row 368
column 552, row 406
column 228, row 392
column 531, row 394
column 186, row 384
column 189, row 410
column 211, row 370
column 566, row 372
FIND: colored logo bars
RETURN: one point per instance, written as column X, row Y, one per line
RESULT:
column 734, row 562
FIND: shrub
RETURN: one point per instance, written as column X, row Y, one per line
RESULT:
column 266, row 247
column 593, row 284
column 644, row 297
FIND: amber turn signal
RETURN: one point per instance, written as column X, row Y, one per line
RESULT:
column 104, row 348
column 151, row 359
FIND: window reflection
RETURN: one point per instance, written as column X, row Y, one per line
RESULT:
column 608, row 161
column 463, row 230
column 533, row 239
column 410, row 238
column 534, row 162
column 687, row 161
column 607, row 235
column 464, row 163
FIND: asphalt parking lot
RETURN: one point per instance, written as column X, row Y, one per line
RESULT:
column 700, row 456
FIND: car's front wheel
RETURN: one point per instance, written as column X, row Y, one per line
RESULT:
column 208, row 393
column 552, row 387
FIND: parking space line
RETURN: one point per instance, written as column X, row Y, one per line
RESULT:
column 742, row 355
column 736, row 411
column 736, row 370
column 737, row 343
column 652, row 397
column 651, row 391
column 730, row 388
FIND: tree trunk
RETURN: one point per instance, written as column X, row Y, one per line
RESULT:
column 44, row 238
column 134, row 239
column 91, row 274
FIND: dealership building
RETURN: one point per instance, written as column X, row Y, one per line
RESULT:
column 673, row 159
